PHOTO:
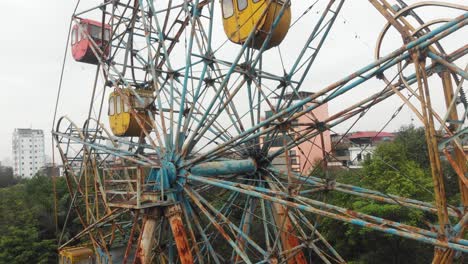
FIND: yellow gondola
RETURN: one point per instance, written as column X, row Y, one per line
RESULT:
column 76, row 255
column 241, row 16
column 122, row 122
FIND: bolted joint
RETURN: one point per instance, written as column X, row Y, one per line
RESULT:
column 209, row 82
column 171, row 211
column 284, row 82
column 422, row 55
column 330, row 184
column 284, row 126
column 293, row 190
column 321, row 126
column 379, row 75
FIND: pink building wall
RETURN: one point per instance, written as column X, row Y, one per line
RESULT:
column 312, row 149
column 304, row 156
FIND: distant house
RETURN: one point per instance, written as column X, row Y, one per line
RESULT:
column 339, row 155
column 352, row 149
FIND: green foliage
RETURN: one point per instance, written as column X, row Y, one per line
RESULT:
column 392, row 171
column 401, row 168
column 413, row 142
column 6, row 177
column 27, row 221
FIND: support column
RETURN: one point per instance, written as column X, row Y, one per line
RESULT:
column 460, row 159
column 147, row 240
column 434, row 157
column 288, row 239
column 174, row 215
column 453, row 115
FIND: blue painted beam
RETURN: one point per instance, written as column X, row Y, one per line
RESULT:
column 344, row 218
column 227, row 167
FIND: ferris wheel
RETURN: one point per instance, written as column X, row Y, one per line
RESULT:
column 200, row 147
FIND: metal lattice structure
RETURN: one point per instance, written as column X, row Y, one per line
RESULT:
column 200, row 186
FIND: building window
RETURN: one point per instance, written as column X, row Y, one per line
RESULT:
column 342, row 152
column 118, row 104
column 228, row 8
column 359, row 157
column 111, row 106
column 241, row 4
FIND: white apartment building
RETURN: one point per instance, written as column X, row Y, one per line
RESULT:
column 28, row 151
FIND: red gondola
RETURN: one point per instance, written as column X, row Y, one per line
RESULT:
column 81, row 45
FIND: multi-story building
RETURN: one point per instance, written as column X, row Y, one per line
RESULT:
column 28, row 151
column 352, row 149
column 306, row 153
column 339, row 155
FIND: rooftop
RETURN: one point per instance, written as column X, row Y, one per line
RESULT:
column 370, row 134
column 296, row 96
column 28, row 131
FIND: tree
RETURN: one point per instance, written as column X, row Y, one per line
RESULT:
column 20, row 240
column 27, row 220
column 6, row 177
column 401, row 168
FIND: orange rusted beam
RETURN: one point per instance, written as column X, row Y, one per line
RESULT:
column 460, row 157
column 174, row 215
column 459, row 164
column 434, row 157
column 288, row 238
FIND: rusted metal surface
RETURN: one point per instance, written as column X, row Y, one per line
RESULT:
column 146, row 240
column 288, row 239
column 174, row 215
column 130, row 240
column 195, row 173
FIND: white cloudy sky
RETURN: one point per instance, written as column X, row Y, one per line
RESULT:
column 32, row 43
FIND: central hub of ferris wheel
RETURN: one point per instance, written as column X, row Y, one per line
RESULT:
column 170, row 178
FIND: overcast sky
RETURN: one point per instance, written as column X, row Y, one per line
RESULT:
column 32, row 43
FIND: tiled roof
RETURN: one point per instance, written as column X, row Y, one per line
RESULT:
column 370, row 134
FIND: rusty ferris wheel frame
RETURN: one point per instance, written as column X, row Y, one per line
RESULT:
column 200, row 182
